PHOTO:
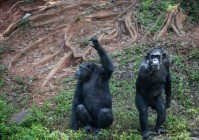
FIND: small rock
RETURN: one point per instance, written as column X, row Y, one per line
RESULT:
column 18, row 118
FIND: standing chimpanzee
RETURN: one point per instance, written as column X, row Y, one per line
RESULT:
column 154, row 77
column 92, row 103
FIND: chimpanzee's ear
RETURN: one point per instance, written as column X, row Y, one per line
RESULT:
column 164, row 55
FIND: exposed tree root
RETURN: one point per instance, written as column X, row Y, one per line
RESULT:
column 179, row 20
column 109, row 37
column 66, row 59
column 19, row 22
column 75, row 55
column 144, row 38
column 14, row 14
column 166, row 25
column 40, row 17
column 86, row 53
column 12, row 34
column 1, row 38
column 173, row 19
column 48, row 5
column 104, row 30
column 15, row 5
column 62, row 76
column 30, row 9
column 124, row 11
column 57, row 27
column 56, row 19
column 130, row 28
column 50, row 57
column 60, row 65
column 72, row 49
column 11, row 28
column 102, row 36
column 174, row 27
column 26, row 50
column 119, row 4
column 97, row 17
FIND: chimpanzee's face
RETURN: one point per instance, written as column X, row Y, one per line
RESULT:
column 83, row 72
column 155, row 58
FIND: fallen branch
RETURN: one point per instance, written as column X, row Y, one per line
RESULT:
column 61, row 64
column 26, row 50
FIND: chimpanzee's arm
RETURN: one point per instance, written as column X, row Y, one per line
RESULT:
column 168, row 91
column 105, row 59
column 76, row 102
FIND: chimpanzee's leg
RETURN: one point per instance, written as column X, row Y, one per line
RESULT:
column 159, row 105
column 104, row 119
column 143, row 115
column 84, row 117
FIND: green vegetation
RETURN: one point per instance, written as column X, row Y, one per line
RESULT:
column 51, row 121
column 192, row 9
column 152, row 13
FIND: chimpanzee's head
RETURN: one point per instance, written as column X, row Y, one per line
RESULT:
column 155, row 57
column 84, row 71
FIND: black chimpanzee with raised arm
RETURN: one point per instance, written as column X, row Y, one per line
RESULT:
column 154, row 78
column 92, row 103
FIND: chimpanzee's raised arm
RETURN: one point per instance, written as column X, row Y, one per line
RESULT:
column 105, row 59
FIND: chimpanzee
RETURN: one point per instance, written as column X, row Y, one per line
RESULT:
column 92, row 103
column 154, row 77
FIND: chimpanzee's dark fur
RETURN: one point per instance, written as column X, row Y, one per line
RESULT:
column 92, row 103
column 152, row 81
